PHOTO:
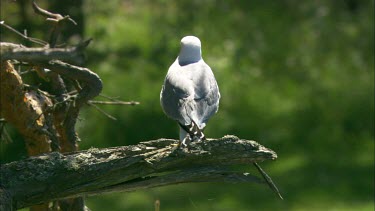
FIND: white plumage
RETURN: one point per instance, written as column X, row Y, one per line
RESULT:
column 190, row 94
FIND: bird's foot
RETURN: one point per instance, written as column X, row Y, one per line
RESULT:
column 199, row 139
column 185, row 142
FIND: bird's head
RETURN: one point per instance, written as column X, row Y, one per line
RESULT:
column 190, row 50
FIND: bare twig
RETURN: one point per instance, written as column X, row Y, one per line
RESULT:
column 57, row 19
column 45, row 13
column 34, row 40
column 115, row 99
column 101, row 110
column 84, row 44
column 4, row 133
column 268, row 180
column 49, row 15
column 25, row 72
column 114, row 103
column 31, row 87
column 7, row 136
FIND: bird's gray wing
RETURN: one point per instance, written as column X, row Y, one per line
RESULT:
column 209, row 105
column 175, row 93
column 207, row 96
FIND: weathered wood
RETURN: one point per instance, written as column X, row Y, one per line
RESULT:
column 25, row 110
column 149, row 164
column 92, row 86
column 5, row 200
column 18, row 52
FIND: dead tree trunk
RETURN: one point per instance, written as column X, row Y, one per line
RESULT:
column 149, row 164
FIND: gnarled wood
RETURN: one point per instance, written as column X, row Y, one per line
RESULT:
column 25, row 110
column 149, row 164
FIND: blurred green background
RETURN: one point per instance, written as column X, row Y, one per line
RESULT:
column 296, row 76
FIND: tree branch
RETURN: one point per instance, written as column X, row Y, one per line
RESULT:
column 21, row 53
column 55, row 18
column 31, row 39
column 101, row 111
column 113, row 103
column 149, row 164
column 92, row 87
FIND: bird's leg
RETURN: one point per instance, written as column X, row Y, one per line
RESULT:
column 184, row 137
column 186, row 141
column 198, row 133
column 193, row 132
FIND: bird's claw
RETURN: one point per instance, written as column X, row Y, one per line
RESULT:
column 185, row 142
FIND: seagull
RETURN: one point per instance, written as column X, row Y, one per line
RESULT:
column 190, row 94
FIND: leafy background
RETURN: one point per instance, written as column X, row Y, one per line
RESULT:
column 298, row 77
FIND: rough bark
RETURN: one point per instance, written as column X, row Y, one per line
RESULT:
column 149, row 164
column 25, row 110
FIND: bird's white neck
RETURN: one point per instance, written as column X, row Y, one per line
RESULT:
column 189, row 54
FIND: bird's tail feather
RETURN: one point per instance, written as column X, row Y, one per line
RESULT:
column 193, row 130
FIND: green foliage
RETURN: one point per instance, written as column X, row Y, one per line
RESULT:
column 295, row 76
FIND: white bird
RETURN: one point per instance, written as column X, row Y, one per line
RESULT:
column 190, row 94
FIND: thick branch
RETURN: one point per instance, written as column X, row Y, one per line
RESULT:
column 21, row 53
column 92, row 83
column 128, row 168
